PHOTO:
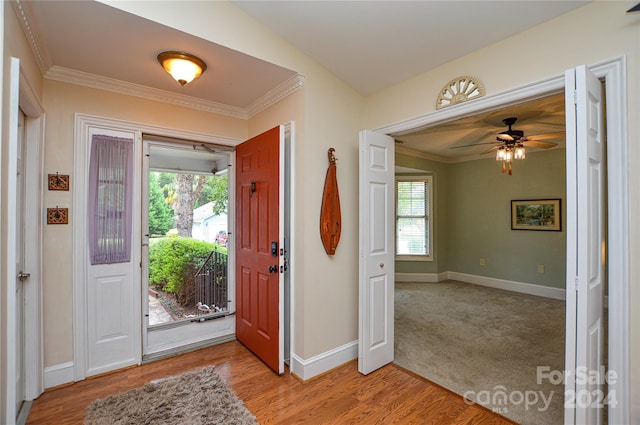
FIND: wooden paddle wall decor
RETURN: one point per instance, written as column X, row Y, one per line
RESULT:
column 330, row 220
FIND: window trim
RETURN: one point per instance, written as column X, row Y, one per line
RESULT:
column 427, row 178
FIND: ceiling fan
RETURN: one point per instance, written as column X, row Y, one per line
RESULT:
column 510, row 144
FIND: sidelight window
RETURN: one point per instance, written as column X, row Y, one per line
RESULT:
column 110, row 199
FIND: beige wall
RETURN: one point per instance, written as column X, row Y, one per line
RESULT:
column 13, row 43
column 17, row 45
column 62, row 101
column 593, row 33
column 325, row 287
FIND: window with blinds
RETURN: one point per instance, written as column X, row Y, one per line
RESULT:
column 413, row 215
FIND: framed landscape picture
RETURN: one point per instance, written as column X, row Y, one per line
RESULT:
column 536, row 214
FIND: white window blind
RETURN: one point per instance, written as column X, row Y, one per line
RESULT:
column 412, row 217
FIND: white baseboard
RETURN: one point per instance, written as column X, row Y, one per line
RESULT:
column 421, row 277
column 307, row 369
column 58, row 375
column 509, row 285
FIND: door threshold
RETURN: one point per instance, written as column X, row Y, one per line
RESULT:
column 152, row 357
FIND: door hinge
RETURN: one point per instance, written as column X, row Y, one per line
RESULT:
column 576, row 283
column 575, row 97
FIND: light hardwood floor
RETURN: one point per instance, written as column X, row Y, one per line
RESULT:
column 390, row 395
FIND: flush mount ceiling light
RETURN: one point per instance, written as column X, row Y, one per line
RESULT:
column 183, row 67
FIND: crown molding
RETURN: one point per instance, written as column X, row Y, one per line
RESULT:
column 275, row 95
column 66, row 75
column 39, row 49
column 85, row 79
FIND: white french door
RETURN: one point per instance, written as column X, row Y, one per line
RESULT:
column 586, row 247
column 377, row 268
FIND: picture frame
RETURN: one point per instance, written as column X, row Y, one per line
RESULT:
column 58, row 181
column 536, row 214
column 57, row 215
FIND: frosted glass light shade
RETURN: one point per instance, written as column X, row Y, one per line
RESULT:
column 183, row 67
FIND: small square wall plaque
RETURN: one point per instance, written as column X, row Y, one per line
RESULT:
column 57, row 215
column 58, row 181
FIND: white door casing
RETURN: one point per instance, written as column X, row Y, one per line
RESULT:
column 585, row 245
column 83, row 124
column 8, row 401
column 376, row 269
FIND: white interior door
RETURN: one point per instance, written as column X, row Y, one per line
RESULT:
column 22, row 274
column 584, row 402
column 376, row 293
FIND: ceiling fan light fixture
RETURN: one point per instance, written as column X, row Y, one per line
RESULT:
column 508, row 156
column 183, row 67
column 519, row 152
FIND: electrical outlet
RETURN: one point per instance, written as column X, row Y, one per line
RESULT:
column 541, row 268
column 482, row 262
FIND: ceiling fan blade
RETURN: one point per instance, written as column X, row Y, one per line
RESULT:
column 539, row 144
column 473, row 144
column 556, row 135
column 492, row 149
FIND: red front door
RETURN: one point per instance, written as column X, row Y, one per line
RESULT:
column 258, row 242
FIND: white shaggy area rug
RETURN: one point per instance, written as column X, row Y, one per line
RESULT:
column 195, row 397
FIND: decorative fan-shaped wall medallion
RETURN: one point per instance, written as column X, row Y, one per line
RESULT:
column 458, row 90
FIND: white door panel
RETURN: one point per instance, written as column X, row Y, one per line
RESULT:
column 110, row 318
column 111, row 290
column 585, row 243
column 376, row 251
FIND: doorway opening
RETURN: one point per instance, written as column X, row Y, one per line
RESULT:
column 615, row 241
column 495, row 331
column 187, row 281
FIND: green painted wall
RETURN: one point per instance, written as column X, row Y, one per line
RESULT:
column 473, row 219
column 439, row 171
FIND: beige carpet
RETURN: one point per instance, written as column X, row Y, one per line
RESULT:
column 198, row 397
column 485, row 344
